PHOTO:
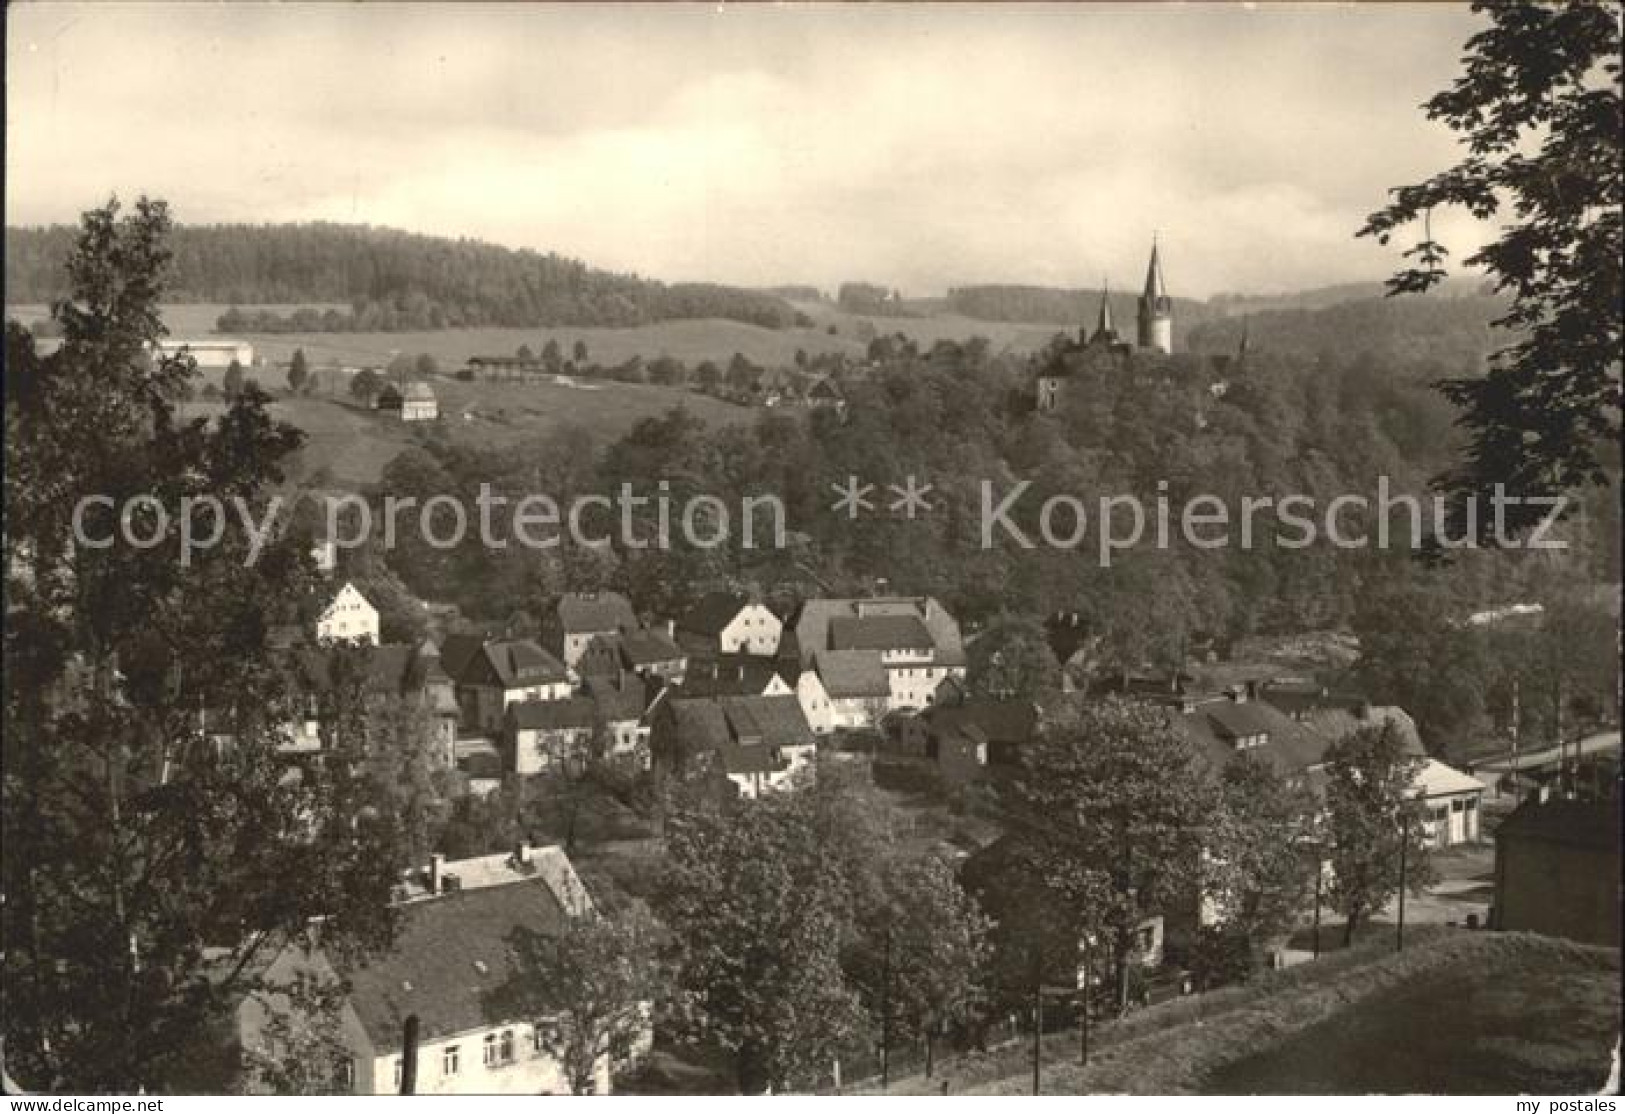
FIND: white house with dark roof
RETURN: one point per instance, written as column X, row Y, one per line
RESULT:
column 544, row 735
column 757, row 743
column 346, row 616
column 856, row 685
column 491, row 674
column 729, row 623
column 917, row 640
column 450, row 952
column 579, row 618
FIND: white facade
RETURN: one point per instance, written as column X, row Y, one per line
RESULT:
column 348, row 616
column 914, row 685
column 754, row 630
column 815, row 702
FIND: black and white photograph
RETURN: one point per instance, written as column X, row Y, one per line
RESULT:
column 672, row 550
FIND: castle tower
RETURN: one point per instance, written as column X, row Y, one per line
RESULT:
column 1156, row 309
column 1105, row 328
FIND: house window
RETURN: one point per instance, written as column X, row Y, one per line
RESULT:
column 493, row 1051
column 398, row 1074
column 450, row 1060
column 347, row 1074
column 505, row 1046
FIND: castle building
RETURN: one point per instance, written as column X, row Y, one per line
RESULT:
column 1154, row 333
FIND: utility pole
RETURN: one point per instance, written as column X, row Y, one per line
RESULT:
column 1319, row 874
column 1404, row 846
column 1083, row 1009
column 885, row 1012
column 1038, row 1017
column 409, row 1056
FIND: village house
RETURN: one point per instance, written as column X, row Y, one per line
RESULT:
column 347, row 616
column 490, row 674
column 580, row 618
column 646, row 651
column 620, row 700
column 724, row 623
column 1557, row 870
column 450, row 953
column 395, row 674
column 735, row 675
column 967, row 740
column 815, row 702
column 756, row 744
column 917, row 640
column 540, row 736
column 824, row 394
column 418, row 403
column 855, row 685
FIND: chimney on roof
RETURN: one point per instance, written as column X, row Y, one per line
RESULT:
column 437, row 871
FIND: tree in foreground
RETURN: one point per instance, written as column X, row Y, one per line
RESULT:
column 1110, row 808
column 1373, row 823
column 1538, row 107
column 919, row 959
column 1261, row 857
column 758, row 910
column 589, row 989
column 155, row 844
column 1012, row 660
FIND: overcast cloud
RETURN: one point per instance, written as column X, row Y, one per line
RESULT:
column 919, row 147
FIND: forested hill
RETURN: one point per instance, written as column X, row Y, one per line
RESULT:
column 395, row 280
column 1433, row 328
column 1048, row 304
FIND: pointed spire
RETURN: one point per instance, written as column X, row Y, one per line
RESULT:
column 1155, row 288
column 1105, row 329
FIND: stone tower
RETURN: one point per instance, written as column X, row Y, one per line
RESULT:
column 1156, row 309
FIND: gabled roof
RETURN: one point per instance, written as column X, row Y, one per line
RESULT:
column 449, row 953
column 589, row 612
column 707, row 723
column 851, row 674
column 618, row 696
column 649, row 647
column 418, row 391
column 712, row 614
column 812, row 620
column 1216, row 724
column 879, row 632
column 574, row 713
column 1435, row 779
column 731, row 675
column 504, row 663
column 1000, row 721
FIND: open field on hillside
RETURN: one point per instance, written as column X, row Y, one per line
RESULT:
column 354, row 443
column 689, row 341
column 1456, row 1012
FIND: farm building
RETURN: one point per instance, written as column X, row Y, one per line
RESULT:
column 416, row 402
column 1557, row 870
column 216, row 354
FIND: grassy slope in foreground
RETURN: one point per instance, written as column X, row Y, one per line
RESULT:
column 1457, row 1012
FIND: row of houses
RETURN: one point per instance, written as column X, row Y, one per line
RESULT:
column 728, row 690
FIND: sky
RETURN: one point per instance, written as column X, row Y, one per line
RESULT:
column 918, row 146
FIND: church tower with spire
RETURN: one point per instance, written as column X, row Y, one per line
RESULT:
column 1156, row 309
column 1105, row 328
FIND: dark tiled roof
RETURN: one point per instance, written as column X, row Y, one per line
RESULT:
column 1002, row 721
column 448, row 954
column 848, row 674
column 713, row 613
column 507, row 663
column 1592, row 824
column 713, row 723
column 1216, row 724
column 619, row 696
column 649, row 647
column 574, row 713
column 730, row 675
column 879, row 632
column 580, row 613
